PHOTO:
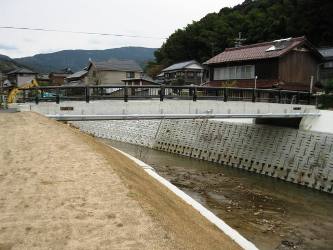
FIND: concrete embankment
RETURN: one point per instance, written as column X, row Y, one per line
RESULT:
column 300, row 156
column 61, row 189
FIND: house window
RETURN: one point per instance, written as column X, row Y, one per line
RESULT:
column 234, row 72
column 94, row 73
column 190, row 74
column 130, row 74
column 328, row 65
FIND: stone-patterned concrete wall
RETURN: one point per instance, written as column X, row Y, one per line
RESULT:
column 293, row 155
column 297, row 156
column 135, row 132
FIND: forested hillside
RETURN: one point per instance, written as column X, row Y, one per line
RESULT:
column 7, row 64
column 78, row 59
column 258, row 20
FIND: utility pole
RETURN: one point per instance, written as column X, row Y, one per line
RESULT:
column 213, row 49
column 239, row 40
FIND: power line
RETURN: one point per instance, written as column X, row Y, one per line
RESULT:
column 80, row 32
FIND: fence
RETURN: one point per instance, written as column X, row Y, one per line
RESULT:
column 161, row 92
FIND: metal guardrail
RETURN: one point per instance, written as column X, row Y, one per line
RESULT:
column 162, row 92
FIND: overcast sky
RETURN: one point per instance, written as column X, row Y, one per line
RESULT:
column 155, row 18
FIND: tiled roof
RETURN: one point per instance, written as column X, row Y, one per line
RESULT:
column 78, row 74
column 142, row 78
column 180, row 65
column 118, row 65
column 256, row 51
column 327, row 53
column 21, row 71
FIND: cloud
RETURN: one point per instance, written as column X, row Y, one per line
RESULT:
column 7, row 47
column 141, row 18
column 95, row 41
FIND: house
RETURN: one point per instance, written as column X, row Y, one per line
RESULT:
column 20, row 76
column 112, row 72
column 43, row 79
column 285, row 64
column 325, row 70
column 58, row 78
column 78, row 78
column 139, row 81
column 183, row 73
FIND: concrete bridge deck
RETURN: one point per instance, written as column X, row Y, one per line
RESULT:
column 171, row 109
column 61, row 189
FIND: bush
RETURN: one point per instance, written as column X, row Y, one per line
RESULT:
column 329, row 87
column 325, row 101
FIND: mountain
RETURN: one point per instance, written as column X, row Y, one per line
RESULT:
column 7, row 64
column 78, row 59
column 257, row 20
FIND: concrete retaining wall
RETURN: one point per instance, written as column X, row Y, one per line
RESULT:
column 302, row 157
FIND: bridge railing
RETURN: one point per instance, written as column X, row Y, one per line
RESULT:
column 162, row 92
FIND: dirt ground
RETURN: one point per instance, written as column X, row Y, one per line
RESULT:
column 60, row 189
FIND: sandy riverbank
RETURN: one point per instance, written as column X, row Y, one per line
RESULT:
column 61, row 189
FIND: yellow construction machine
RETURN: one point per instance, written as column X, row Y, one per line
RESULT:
column 15, row 91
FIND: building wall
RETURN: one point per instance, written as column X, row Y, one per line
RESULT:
column 266, row 69
column 107, row 77
column 326, row 73
column 173, row 76
column 57, row 80
column 301, row 157
column 21, row 80
column 298, row 67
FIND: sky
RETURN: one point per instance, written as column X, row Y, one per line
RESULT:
column 152, row 18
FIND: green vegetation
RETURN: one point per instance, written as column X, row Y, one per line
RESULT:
column 329, row 87
column 258, row 20
column 7, row 64
column 325, row 101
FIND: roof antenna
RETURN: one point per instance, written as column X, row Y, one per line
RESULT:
column 239, row 40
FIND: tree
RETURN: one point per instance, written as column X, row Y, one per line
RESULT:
column 258, row 20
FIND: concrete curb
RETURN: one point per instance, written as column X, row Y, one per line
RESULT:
column 225, row 228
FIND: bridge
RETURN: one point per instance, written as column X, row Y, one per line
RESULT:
column 72, row 103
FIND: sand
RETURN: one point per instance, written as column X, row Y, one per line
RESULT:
column 61, row 189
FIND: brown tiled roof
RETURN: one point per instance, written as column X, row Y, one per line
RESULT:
column 255, row 51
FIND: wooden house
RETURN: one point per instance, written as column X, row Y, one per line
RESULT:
column 78, row 78
column 183, row 73
column 285, row 64
column 59, row 78
column 325, row 72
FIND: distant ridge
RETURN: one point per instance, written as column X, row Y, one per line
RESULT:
column 7, row 64
column 78, row 59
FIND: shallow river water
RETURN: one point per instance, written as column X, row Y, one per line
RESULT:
column 272, row 214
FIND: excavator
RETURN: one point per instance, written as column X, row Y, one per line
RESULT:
column 15, row 91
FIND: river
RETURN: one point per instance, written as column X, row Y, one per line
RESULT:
column 271, row 213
